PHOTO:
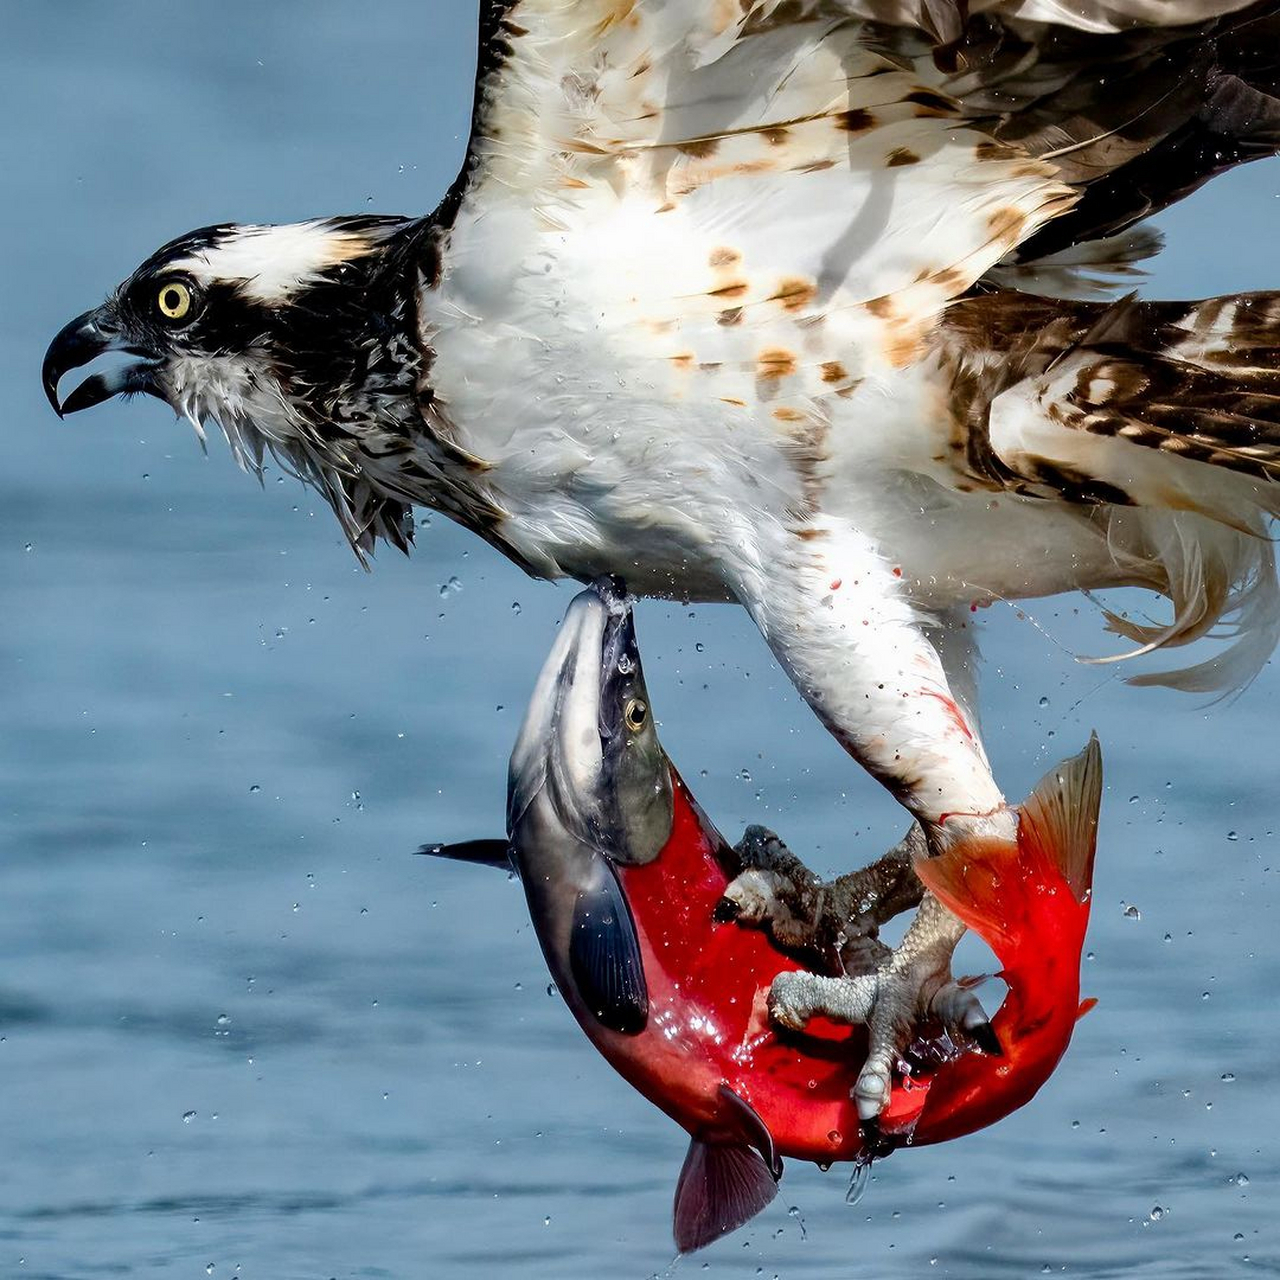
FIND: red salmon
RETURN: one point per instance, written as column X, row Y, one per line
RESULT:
column 623, row 872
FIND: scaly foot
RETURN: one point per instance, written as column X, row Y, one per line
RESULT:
column 913, row 984
column 832, row 925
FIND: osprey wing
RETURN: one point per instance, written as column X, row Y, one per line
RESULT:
column 734, row 167
column 729, row 164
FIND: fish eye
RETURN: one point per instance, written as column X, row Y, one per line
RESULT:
column 174, row 301
column 637, row 711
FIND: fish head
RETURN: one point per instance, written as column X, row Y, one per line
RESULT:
column 588, row 745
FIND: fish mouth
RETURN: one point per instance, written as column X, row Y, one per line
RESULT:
column 560, row 746
column 86, row 338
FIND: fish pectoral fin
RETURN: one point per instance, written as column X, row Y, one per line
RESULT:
column 754, row 1130
column 484, row 853
column 721, row 1187
column 604, row 955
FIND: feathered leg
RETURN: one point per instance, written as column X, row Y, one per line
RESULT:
column 837, row 616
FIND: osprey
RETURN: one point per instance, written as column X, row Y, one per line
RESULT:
column 798, row 303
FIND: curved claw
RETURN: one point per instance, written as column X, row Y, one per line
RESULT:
column 902, row 1002
column 911, row 985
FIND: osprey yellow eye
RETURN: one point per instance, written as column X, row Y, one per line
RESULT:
column 174, row 300
column 635, row 714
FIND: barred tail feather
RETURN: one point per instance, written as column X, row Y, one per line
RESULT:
column 1168, row 414
column 1222, row 586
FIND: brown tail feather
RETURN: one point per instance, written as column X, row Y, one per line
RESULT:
column 1199, row 381
column 1168, row 413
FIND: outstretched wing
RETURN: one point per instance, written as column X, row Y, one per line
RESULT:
column 729, row 172
column 782, row 161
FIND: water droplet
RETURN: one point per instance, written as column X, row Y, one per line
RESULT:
column 859, row 1180
column 1132, row 913
column 188, row 1117
column 1231, row 835
column 700, row 647
column 1156, row 1213
column 254, row 788
column 1240, row 1180
column 1044, row 702
column 515, row 606
column 1227, row 1077
column 546, row 1222
column 450, row 588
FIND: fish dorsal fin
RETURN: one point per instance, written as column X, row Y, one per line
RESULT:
column 484, row 853
column 604, row 955
column 721, row 1187
column 1061, row 816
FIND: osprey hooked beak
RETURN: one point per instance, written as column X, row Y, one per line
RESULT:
column 300, row 340
column 88, row 336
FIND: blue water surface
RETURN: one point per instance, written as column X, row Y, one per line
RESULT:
column 243, row 1032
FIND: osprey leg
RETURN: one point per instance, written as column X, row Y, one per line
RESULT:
column 841, row 621
column 831, row 925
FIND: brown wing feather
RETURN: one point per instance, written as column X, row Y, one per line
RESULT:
column 1134, row 119
column 1135, row 103
column 1200, row 381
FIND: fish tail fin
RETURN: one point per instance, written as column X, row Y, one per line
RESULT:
column 721, row 1187
column 1060, row 817
column 1014, row 893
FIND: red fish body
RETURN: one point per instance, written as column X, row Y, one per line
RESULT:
column 708, row 984
column 623, row 872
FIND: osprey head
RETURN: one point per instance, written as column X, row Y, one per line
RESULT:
column 300, row 339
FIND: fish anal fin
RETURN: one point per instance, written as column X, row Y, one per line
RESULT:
column 604, row 956
column 721, row 1187
column 1085, row 1007
column 754, row 1130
